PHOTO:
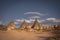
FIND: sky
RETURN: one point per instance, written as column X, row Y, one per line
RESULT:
column 46, row 11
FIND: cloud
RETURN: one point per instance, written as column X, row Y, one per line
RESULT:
column 19, row 20
column 27, row 20
column 1, row 22
column 53, row 19
column 32, row 20
column 16, row 22
column 34, row 17
column 40, row 21
column 36, row 13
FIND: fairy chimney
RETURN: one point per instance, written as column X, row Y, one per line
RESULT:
column 23, row 25
column 11, row 25
column 36, row 25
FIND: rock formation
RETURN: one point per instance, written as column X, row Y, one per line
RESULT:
column 3, row 27
column 11, row 25
column 57, row 27
column 28, row 26
column 23, row 25
column 36, row 25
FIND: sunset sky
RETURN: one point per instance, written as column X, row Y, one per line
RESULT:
column 46, row 11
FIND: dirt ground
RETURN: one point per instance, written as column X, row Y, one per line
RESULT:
column 22, row 35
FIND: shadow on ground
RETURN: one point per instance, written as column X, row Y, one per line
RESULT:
column 48, row 38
